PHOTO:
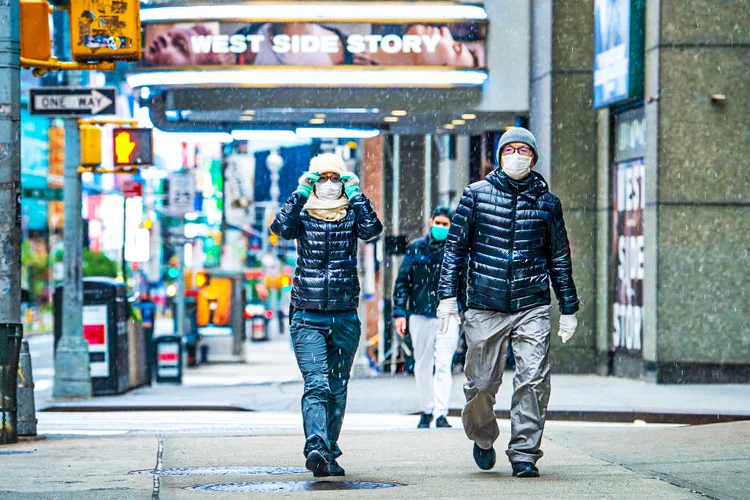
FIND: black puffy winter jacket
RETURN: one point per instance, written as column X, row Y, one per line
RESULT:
column 326, row 276
column 416, row 287
column 512, row 234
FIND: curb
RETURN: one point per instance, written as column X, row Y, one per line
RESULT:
column 629, row 416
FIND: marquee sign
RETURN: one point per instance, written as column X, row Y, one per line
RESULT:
column 217, row 39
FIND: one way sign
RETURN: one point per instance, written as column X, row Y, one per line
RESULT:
column 72, row 101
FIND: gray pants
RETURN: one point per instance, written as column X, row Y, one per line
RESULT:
column 487, row 335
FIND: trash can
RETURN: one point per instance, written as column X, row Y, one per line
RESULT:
column 168, row 357
column 259, row 328
column 106, row 313
column 11, row 336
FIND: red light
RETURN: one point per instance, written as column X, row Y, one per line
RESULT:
column 269, row 314
column 248, row 315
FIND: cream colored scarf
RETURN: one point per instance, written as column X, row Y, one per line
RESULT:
column 327, row 210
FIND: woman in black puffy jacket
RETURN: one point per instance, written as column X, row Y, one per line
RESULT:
column 327, row 214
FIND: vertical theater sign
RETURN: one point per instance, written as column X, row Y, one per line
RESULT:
column 627, row 231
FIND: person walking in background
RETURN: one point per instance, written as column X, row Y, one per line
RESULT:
column 510, row 231
column 326, row 214
column 415, row 300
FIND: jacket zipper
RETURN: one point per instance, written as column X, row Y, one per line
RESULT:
column 326, row 266
column 512, row 245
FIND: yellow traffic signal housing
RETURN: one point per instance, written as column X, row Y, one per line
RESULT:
column 105, row 30
column 91, row 145
column 35, row 38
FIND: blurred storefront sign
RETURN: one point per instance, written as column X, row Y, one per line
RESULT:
column 618, row 51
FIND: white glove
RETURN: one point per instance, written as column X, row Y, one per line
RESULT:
column 447, row 310
column 568, row 324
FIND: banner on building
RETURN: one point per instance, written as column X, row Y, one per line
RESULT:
column 227, row 43
column 628, row 251
column 618, row 51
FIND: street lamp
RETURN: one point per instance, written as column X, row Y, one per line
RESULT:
column 274, row 162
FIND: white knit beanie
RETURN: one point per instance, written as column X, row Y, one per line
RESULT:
column 328, row 163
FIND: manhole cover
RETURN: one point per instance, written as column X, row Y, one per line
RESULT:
column 25, row 452
column 222, row 471
column 284, row 486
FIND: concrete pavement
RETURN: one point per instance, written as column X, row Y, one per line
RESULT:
column 270, row 381
column 582, row 460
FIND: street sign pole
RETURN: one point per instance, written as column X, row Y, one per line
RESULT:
column 72, row 371
column 10, row 217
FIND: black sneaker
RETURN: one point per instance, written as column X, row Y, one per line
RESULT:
column 525, row 469
column 317, row 464
column 424, row 422
column 442, row 422
column 485, row 459
column 336, row 469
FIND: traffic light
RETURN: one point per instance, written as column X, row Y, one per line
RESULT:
column 35, row 30
column 132, row 147
column 173, row 273
column 91, row 145
column 201, row 280
column 105, row 31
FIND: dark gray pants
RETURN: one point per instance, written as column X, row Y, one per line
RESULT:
column 324, row 344
column 487, row 336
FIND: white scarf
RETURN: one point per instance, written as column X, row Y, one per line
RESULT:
column 327, row 210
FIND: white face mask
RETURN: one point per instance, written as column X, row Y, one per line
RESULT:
column 328, row 191
column 516, row 166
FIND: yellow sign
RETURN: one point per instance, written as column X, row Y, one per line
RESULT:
column 105, row 30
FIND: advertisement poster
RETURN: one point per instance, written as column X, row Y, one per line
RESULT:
column 455, row 45
column 95, row 333
column 611, row 51
column 628, row 251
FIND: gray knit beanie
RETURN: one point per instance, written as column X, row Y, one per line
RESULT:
column 516, row 134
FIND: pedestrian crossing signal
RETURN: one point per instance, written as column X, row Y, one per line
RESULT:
column 133, row 147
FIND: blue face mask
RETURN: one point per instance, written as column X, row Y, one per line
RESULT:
column 439, row 233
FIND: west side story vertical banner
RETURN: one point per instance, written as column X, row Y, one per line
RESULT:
column 627, row 247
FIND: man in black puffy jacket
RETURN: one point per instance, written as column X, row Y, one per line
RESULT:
column 327, row 214
column 415, row 296
column 509, row 231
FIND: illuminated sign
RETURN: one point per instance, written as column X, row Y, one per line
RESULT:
column 314, row 44
column 132, row 146
column 458, row 45
column 618, row 51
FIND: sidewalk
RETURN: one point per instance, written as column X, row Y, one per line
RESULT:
column 218, row 455
column 271, row 381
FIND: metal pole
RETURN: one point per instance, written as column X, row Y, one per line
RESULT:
column 395, row 215
column 427, row 206
column 124, row 239
column 72, row 372
column 180, row 246
column 10, row 215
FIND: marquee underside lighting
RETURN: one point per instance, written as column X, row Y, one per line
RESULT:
column 341, row 133
column 285, row 77
column 316, row 12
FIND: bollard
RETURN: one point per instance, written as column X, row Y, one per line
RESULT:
column 25, row 394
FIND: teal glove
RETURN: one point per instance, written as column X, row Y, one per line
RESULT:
column 306, row 183
column 351, row 184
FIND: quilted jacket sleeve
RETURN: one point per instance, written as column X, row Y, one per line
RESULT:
column 368, row 225
column 404, row 282
column 561, row 269
column 287, row 223
column 457, row 246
